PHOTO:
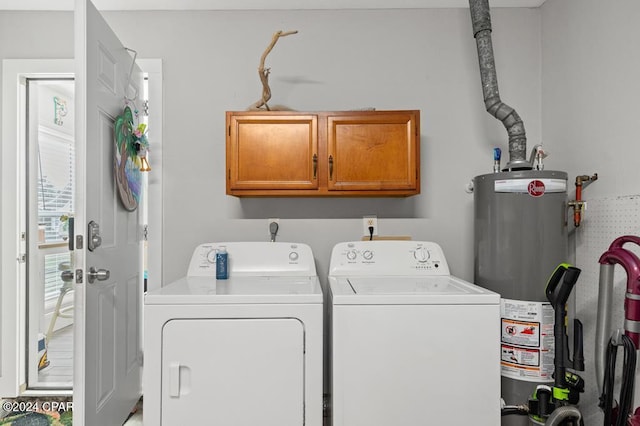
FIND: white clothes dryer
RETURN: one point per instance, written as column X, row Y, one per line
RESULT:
column 410, row 344
column 244, row 351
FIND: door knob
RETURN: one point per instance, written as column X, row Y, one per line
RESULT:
column 97, row 274
column 66, row 276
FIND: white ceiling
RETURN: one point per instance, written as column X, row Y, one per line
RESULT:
column 256, row 4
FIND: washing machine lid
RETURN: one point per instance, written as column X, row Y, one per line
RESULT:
column 251, row 290
column 408, row 290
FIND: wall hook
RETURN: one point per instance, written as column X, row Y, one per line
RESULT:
column 128, row 85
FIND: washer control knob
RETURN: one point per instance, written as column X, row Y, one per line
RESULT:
column 421, row 254
column 367, row 254
column 351, row 255
column 293, row 256
column 211, row 256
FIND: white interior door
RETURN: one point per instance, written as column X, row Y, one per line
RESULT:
column 107, row 372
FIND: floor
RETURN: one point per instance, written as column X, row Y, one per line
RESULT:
column 60, row 373
column 60, row 356
column 136, row 417
column 31, row 416
column 60, row 369
column 51, row 418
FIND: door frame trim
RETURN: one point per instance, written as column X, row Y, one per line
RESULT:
column 12, row 294
column 12, row 153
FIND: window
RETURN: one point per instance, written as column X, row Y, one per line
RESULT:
column 52, row 281
column 51, row 122
column 55, row 186
column 50, row 148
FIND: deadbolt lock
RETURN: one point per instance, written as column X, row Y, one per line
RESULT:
column 94, row 240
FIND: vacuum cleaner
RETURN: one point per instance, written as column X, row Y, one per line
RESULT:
column 608, row 341
column 557, row 404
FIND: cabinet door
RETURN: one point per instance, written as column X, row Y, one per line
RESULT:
column 375, row 150
column 271, row 151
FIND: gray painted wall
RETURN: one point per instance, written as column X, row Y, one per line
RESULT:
column 590, row 111
column 392, row 59
column 591, row 90
column 41, row 35
column 419, row 59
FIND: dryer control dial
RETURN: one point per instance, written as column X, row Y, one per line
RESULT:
column 351, row 255
column 211, row 256
column 293, row 256
column 367, row 254
column 421, row 254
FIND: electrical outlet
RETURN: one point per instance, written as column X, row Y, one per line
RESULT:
column 368, row 221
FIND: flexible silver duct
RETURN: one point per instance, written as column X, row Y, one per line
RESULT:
column 561, row 414
column 603, row 321
column 481, row 20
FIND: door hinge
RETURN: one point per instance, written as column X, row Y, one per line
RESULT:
column 22, row 258
column 145, row 232
column 23, row 236
column 325, row 406
column 145, row 107
column 79, row 244
column 79, row 276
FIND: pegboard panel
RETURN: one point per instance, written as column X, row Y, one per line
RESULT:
column 604, row 220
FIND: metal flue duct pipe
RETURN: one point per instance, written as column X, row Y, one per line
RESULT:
column 481, row 20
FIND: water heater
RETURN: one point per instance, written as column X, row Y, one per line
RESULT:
column 520, row 237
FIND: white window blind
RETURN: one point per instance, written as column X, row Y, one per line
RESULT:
column 56, row 180
column 56, row 158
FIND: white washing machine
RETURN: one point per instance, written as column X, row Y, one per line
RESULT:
column 244, row 351
column 410, row 344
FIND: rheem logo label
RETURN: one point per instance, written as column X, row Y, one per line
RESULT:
column 536, row 188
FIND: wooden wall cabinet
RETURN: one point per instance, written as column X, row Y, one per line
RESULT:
column 340, row 153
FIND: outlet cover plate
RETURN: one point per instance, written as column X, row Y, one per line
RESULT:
column 368, row 221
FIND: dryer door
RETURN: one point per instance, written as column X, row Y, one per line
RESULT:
column 242, row 372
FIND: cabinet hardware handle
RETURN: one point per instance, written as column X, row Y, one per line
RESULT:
column 315, row 165
column 331, row 167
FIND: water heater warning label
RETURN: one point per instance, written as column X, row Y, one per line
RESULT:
column 527, row 349
column 521, row 333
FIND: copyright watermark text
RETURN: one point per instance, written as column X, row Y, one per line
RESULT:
column 24, row 406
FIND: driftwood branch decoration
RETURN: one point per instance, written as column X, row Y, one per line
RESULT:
column 264, row 72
